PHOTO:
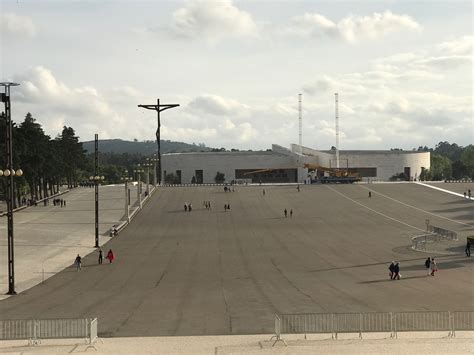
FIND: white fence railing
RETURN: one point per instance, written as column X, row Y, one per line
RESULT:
column 35, row 330
column 389, row 322
column 434, row 235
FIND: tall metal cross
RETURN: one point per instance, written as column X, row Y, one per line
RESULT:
column 158, row 108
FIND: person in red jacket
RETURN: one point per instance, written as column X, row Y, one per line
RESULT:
column 110, row 256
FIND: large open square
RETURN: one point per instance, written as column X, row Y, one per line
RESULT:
column 209, row 272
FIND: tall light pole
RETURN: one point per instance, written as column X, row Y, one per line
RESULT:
column 138, row 171
column 148, row 165
column 96, row 180
column 158, row 108
column 154, row 160
column 126, row 179
column 5, row 96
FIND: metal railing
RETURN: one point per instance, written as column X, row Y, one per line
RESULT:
column 35, row 330
column 444, row 233
column 388, row 322
column 434, row 235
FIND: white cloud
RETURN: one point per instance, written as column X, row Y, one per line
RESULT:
column 459, row 46
column 15, row 25
column 351, row 28
column 55, row 104
column 213, row 20
column 217, row 105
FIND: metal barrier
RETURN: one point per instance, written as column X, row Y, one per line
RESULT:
column 436, row 234
column 387, row 322
column 444, row 233
column 35, row 330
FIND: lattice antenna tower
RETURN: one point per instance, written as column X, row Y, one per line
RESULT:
column 337, row 129
column 300, row 118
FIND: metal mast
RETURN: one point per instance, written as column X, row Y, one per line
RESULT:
column 337, row 130
column 300, row 140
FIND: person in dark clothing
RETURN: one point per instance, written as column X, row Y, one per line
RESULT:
column 392, row 270
column 78, row 262
column 285, row 212
column 370, row 194
column 396, row 271
column 100, row 256
column 291, row 213
column 468, row 248
column 185, row 208
column 428, row 264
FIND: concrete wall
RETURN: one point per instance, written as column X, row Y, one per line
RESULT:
column 387, row 163
column 224, row 162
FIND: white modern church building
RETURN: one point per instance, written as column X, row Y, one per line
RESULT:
column 280, row 164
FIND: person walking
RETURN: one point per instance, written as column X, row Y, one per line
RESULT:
column 427, row 265
column 433, row 267
column 370, row 194
column 185, row 207
column 285, row 212
column 263, row 192
column 391, row 268
column 100, row 256
column 110, row 256
column 78, row 262
column 468, row 248
column 396, row 271
column 291, row 213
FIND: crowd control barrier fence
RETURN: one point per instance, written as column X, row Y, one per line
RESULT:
column 387, row 322
column 35, row 330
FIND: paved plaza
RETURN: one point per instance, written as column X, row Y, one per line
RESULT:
column 48, row 238
column 217, row 272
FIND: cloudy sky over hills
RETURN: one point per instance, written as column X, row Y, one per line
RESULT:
column 403, row 70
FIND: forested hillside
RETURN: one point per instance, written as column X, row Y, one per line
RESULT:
column 146, row 148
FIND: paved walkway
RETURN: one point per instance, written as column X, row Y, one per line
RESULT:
column 379, row 343
column 48, row 238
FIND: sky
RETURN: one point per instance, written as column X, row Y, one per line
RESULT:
column 402, row 70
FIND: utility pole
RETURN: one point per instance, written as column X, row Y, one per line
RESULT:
column 96, row 170
column 158, row 108
column 300, row 140
column 337, row 130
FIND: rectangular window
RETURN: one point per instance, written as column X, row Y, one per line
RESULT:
column 364, row 172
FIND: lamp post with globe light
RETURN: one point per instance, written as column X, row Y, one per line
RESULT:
column 138, row 171
column 96, row 181
column 125, row 178
column 9, row 173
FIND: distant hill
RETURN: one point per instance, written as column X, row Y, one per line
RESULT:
column 120, row 146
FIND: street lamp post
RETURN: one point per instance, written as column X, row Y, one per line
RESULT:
column 96, row 180
column 158, row 108
column 154, row 160
column 148, row 165
column 138, row 171
column 126, row 179
column 9, row 173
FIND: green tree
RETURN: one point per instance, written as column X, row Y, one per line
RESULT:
column 440, row 167
column 220, row 178
column 467, row 158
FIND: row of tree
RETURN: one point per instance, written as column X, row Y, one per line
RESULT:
column 449, row 161
column 47, row 163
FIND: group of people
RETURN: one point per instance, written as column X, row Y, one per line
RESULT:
column 394, row 269
column 468, row 194
column 431, row 265
column 285, row 212
column 207, row 205
column 188, row 207
column 110, row 256
column 229, row 189
column 227, row 207
column 59, row 202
